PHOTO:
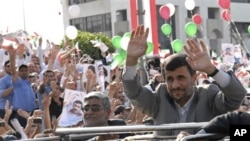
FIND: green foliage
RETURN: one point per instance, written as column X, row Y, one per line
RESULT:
column 84, row 44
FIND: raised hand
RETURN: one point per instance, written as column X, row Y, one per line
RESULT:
column 8, row 109
column 137, row 45
column 40, row 41
column 112, row 90
column 11, row 50
column 198, row 57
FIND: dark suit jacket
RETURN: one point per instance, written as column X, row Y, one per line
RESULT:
column 209, row 101
column 221, row 124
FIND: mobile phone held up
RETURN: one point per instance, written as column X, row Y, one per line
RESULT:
column 37, row 120
column 2, row 123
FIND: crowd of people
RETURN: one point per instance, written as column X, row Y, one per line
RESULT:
column 64, row 87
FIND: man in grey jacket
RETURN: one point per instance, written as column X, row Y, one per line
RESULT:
column 179, row 100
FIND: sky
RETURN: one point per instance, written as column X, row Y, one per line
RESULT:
column 40, row 16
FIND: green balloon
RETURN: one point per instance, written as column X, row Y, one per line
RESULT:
column 149, row 48
column 166, row 29
column 127, row 34
column 177, row 45
column 113, row 65
column 123, row 54
column 118, row 58
column 191, row 29
column 116, row 41
column 248, row 29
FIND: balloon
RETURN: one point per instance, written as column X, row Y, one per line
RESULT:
column 123, row 54
column 225, row 14
column 127, row 34
column 164, row 12
column 189, row 4
column 149, row 48
column 71, row 32
column 225, row 4
column 116, row 61
column 74, row 11
column 113, row 65
column 166, row 29
column 171, row 8
column 124, row 43
column 177, row 45
column 116, row 41
column 191, row 29
column 197, row 19
column 248, row 29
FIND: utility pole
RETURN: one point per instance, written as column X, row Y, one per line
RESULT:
column 143, row 73
column 24, row 20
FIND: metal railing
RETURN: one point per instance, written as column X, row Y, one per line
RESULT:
column 128, row 128
column 68, row 134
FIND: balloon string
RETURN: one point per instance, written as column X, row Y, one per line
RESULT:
column 239, row 36
column 169, row 36
column 192, row 16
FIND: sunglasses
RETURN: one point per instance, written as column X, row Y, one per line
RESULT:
column 94, row 108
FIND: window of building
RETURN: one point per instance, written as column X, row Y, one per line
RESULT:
column 94, row 23
column 78, row 23
column 71, row 2
column 107, row 22
column 213, row 13
column 190, row 13
column 241, row 27
column 241, row 1
column 121, row 15
column 97, row 23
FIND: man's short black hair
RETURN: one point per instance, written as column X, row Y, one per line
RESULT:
column 120, row 108
column 48, row 71
column 22, row 66
column 175, row 61
column 6, row 63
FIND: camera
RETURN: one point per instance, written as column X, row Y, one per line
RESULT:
column 37, row 120
column 2, row 123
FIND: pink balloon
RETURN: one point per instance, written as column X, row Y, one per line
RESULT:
column 224, row 3
column 197, row 19
column 225, row 14
column 164, row 12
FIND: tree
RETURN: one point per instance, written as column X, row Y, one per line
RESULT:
column 85, row 45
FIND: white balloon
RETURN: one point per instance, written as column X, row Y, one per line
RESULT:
column 189, row 4
column 171, row 8
column 74, row 11
column 124, row 42
column 71, row 32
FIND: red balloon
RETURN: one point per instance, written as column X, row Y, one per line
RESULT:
column 226, row 15
column 224, row 3
column 197, row 19
column 164, row 12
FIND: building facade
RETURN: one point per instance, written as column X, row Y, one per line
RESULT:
column 114, row 17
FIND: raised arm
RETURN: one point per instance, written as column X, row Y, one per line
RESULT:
column 12, row 53
column 137, row 45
